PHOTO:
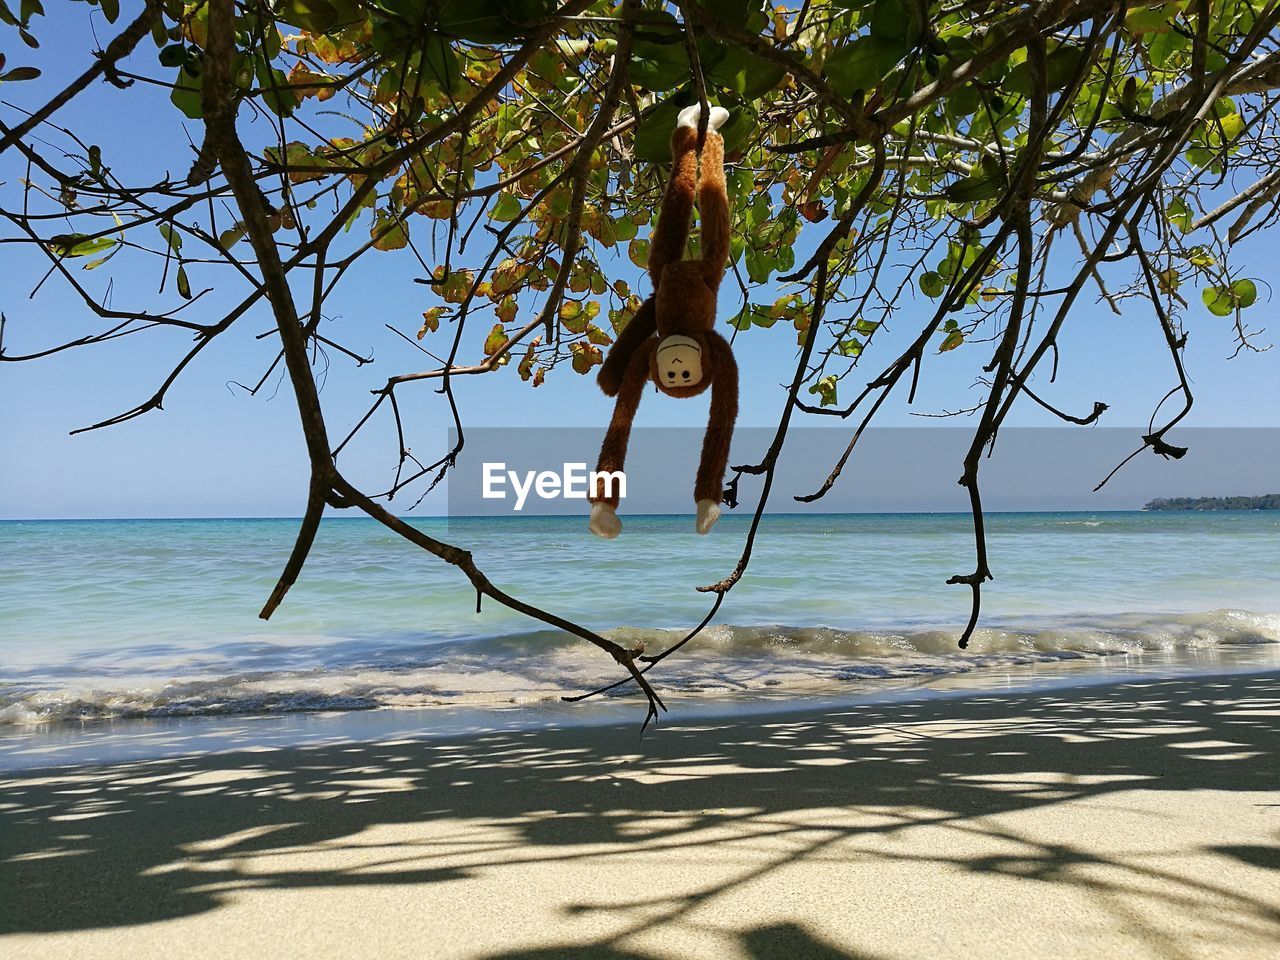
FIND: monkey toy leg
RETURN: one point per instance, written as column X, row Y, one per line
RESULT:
column 675, row 214
column 713, row 202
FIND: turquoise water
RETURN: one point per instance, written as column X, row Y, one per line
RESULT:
column 109, row 619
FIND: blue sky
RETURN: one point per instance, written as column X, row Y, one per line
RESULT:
column 215, row 452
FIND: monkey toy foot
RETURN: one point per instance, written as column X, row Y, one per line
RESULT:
column 708, row 514
column 604, row 521
column 688, row 117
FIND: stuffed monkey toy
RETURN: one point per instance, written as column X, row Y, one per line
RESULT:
column 670, row 340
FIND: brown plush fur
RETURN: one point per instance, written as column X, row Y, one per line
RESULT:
column 683, row 304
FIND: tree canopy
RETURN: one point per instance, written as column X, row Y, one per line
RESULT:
column 995, row 161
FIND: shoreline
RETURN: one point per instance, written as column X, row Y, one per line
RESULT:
column 69, row 742
column 1138, row 818
column 72, row 743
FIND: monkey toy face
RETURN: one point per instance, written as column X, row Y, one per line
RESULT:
column 678, row 364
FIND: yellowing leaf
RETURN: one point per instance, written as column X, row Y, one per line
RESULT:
column 430, row 321
column 495, row 341
column 826, row 390
column 585, row 356
column 389, row 232
column 573, row 318
column 638, row 251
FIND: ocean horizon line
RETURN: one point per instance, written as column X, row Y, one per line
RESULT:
column 571, row 516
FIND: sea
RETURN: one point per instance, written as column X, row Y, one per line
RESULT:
column 120, row 629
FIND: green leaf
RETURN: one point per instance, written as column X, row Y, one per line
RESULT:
column 1163, row 48
column 624, row 229
column 1061, row 64
column 1217, row 299
column 184, row 285
column 759, row 265
column 973, row 188
column 659, row 60
column 1200, row 257
column 174, row 55
column 76, row 245
column 951, row 341
column 1232, row 125
column 896, row 20
column 1245, row 293
column 747, row 14
column 746, row 74
column 94, row 264
column 862, row 64
column 1153, row 19
column 760, row 316
column 737, row 244
column 186, row 95
column 737, row 131
column 440, row 64
column 1224, row 301
column 1179, row 214
column 484, row 21
column 653, row 135
column 506, row 209
column 275, row 88
column 850, row 348
column 20, row 73
column 171, row 236
column 316, row 16
column 931, row 284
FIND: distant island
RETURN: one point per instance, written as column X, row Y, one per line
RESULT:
column 1268, row 501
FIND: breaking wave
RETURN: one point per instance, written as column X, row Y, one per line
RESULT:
column 742, row 662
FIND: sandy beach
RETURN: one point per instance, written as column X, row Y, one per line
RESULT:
column 1139, row 819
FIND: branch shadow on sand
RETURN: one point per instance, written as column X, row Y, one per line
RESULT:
column 96, row 848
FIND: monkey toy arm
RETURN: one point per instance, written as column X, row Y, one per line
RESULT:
column 613, row 452
column 638, row 329
column 709, row 487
